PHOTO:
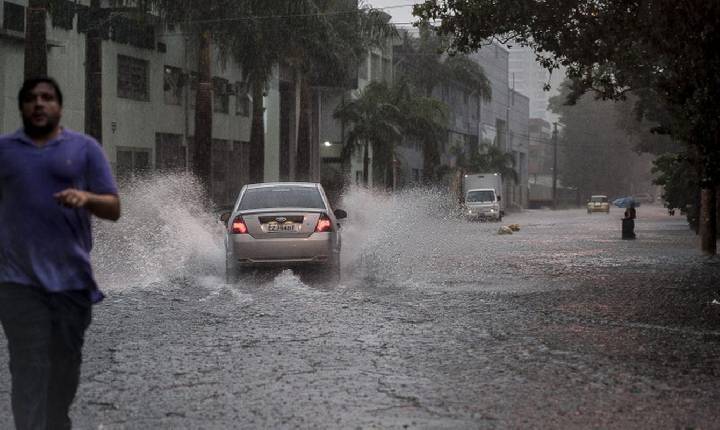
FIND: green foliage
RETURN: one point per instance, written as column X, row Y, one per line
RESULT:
column 422, row 62
column 675, row 173
column 663, row 50
column 381, row 115
column 487, row 157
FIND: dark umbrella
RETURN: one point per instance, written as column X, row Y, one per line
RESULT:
column 625, row 202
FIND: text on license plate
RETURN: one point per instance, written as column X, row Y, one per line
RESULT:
column 283, row 227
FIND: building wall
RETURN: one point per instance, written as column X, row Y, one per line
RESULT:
column 494, row 114
column 530, row 78
column 504, row 120
column 519, row 142
column 133, row 125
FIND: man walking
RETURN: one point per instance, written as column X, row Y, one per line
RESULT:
column 51, row 180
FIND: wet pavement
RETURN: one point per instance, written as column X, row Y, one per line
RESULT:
column 437, row 323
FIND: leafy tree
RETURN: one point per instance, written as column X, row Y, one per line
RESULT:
column 375, row 119
column 327, row 52
column 422, row 62
column 489, row 158
column 678, row 176
column 661, row 49
column 320, row 40
column 381, row 115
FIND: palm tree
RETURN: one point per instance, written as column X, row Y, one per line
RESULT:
column 205, row 20
column 376, row 121
column 327, row 52
column 491, row 158
column 317, row 39
column 422, row 62
column 382, row 115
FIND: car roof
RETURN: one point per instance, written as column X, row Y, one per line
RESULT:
column 283, row 184
column 598, row 195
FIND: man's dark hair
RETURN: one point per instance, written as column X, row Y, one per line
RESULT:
column 31, row 83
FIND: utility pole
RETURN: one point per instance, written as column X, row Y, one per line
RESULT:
column 554, row 184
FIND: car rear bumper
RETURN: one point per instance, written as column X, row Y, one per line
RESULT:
column 319, row 248
column 482, row 215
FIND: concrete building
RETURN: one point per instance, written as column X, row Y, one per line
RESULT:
column 504, row 120
column 528, row 77
column 148, row 95
column 377, row 66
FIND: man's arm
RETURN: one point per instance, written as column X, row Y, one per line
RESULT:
column 106, row 206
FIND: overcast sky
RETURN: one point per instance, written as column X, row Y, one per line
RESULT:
column 401, row 10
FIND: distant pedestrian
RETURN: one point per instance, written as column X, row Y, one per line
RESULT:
column 51, row 181
column 628, row 222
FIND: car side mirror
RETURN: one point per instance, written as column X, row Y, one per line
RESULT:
column 224, row 217
column 340, row 214
column 499, row 198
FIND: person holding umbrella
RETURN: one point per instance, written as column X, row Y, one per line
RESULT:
column 628, row 222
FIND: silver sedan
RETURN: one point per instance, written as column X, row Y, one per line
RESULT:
column 283, row 224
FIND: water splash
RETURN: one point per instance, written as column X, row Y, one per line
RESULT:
column 387, row 236
column 164, row 233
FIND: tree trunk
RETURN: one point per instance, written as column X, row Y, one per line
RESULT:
column 708, row 218
column 430, row 157
column 366, row 163
column 201, row 166
column 36, row 39
column 304, row 138
column 257, row 134
column 93, row 73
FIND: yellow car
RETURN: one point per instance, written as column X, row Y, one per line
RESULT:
column 598, row 203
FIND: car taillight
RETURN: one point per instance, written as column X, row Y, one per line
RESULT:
column 324, row 224
column 238, row 226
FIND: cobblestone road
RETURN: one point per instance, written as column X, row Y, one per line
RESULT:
column 438, row 323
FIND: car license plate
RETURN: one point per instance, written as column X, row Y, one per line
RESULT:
column 278, row 228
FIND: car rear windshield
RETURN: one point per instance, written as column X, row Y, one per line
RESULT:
column 281, row 197
column 598, row 199
column 480, row 196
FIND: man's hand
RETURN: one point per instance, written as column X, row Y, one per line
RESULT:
column 105, row 206
column 72, row 198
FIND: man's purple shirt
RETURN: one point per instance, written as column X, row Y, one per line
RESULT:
column 43, row 243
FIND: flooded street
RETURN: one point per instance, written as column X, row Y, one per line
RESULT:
column 437, row 323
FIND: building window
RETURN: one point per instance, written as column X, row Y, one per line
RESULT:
column 14, row 17
column 242, row 99
column 132, row 78
column 131, row 162
column 221, row 95
column 173, row 85
column 63, row 16
column 169, row 152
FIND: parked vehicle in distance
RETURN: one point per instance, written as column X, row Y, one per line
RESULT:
column 598, row 203
column 283, row 224
column 481, row 194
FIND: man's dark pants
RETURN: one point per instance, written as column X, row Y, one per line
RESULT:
column 45, row 333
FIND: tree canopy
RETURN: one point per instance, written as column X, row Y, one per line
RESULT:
column 661, row 49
